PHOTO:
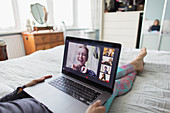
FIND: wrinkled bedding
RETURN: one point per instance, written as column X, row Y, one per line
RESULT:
column 150, row 92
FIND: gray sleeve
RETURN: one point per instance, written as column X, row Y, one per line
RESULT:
column 14, row 96
column 21, row 103
column 25, row 105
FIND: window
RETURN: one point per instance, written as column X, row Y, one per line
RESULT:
column 7, row 20
column 63, row 11
column 75, row 13
column 84, row 13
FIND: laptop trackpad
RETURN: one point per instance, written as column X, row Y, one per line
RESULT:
column 56, row 101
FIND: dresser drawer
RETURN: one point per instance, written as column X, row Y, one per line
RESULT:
column 43, row 47
column 47, row 38
column 61, row 42
column 54, row 44
column 39, row 39
column 42, row 39
column 47, row 46
column 56, row 37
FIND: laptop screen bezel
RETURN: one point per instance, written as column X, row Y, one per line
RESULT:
column 106, row 44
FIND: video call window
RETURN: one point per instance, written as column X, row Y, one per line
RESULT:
column 107, row 61
column 104, row 77
column 83, row 58
column 105, row 69
column 106, row 64
column 109, row 52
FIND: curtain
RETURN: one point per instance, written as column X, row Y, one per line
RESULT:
column 96, row 11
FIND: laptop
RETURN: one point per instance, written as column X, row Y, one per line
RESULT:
column 88, row 74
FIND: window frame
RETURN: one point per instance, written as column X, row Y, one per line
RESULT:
column 18, row 28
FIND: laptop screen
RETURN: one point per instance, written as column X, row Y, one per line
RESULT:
column 94, row 61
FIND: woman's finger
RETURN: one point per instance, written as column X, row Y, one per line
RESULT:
column 43, row 78
column 48, row 76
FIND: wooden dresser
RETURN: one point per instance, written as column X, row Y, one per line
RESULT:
column 41, row 40
column 3, row 53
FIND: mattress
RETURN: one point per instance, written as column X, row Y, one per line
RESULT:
column 150, row 91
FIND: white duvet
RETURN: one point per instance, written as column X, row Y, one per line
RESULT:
column 150, row 92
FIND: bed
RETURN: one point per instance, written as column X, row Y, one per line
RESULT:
column 150, row 92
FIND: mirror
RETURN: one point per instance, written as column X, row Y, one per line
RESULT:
column 166, row 21
column 165, row 37
column 151, row 31
column 39, row 13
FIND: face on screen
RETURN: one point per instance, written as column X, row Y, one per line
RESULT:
column 83, row 58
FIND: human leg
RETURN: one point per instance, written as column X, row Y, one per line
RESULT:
column 127, row 75
column 124, row 70
column 135, row 65
column 122, row 86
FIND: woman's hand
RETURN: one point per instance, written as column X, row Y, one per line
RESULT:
column 96, row 108
column 36, row 81
column 75, row 67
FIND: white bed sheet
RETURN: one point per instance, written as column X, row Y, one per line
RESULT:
column 151, row 89
column 150, row 92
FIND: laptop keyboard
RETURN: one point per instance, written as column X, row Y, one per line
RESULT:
column 76, row 90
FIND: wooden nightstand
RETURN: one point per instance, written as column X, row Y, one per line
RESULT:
column 41, row 40
column 3, row 53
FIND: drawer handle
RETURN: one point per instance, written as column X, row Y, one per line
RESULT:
column 26, row 37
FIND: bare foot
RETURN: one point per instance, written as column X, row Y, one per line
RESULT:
column 138, row 62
